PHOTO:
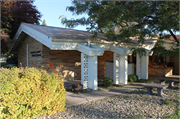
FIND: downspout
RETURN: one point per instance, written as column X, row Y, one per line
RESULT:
column 27, row 54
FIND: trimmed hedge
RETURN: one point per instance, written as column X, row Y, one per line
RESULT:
column 30, row 92
column 133, row 78
column 107, row 81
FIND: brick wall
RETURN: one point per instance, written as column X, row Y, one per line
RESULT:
column 33, row 45
column 175, row 60
column 107, row 56
column 66, row 62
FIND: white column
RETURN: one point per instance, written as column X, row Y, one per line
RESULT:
column 27, row 55
column 138, row 66
column 123, row 69
column 116, row 69
column 92, row 77
column 144, row 67
column 84, row 70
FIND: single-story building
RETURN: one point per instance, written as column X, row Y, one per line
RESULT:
column 76, row 55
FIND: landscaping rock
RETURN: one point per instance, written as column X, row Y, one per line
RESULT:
column 134, row 104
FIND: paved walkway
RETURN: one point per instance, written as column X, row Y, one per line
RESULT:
column 75, row 99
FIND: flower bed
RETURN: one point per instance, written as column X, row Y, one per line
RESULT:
column 155, row 65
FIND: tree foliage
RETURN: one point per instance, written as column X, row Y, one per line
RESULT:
column 44, row 23
column 15, row 12
column 124, row 19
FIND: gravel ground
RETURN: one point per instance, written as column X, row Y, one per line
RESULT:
column 134, row 104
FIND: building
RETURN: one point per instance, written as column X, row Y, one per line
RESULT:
column 76, row 54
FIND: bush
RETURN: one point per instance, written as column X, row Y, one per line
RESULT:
column 133, row 78
column 30, row 93
column 107, row 81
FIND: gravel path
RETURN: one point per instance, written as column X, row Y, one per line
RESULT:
column 135, row 104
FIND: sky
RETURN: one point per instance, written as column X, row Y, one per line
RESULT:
column 52, row 9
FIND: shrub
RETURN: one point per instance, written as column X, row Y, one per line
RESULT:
column 107, row 81
column 30, row 93
column 133, row 78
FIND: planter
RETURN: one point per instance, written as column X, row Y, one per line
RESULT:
column 76, row 88
column 166, row 71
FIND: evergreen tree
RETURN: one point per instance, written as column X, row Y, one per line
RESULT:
column 44, row 23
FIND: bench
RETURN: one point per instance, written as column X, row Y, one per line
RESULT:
column 171, row 82
column 159, row 88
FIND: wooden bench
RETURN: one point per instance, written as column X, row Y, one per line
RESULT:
column 171, row 82
column 159, row 88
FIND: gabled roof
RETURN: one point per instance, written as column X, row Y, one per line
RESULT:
column 64, row 33
column 57, row 38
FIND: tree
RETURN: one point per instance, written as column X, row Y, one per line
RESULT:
column 12, row 14
column 124, row 19
column 44, row 23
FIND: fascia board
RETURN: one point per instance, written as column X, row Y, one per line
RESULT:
column 64, row 46
column 18, row 32
column 84, row 49
column 70, row 40
column 105, row 46
column 42, row 38
column 150, row 46
column 117, row 50
column 90, row 51
column 96, row 51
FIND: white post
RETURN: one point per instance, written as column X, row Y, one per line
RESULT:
column 144, row 67
column 116, row 68
column 138, row 66
column 92, row 66
column 123, row 69
column 27, row 54
column 84, row 70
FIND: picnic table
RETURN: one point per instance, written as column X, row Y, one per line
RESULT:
column 158, row 86
column 171, row 82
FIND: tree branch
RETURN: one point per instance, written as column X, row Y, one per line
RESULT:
column 175, row 38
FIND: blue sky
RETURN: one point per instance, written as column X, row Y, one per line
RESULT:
column 52, row 9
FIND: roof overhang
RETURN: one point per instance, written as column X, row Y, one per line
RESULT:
column 57, row 43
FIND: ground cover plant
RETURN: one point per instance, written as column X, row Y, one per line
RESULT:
column 30, row 92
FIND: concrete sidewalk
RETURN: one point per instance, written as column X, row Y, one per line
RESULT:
column 75, row 99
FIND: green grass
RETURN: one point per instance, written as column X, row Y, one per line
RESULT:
column 174, row 116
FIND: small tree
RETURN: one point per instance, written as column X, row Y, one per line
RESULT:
column 44, row 23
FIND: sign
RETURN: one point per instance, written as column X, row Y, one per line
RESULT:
column 36, row 53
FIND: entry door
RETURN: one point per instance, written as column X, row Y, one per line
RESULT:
column 109, row 69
